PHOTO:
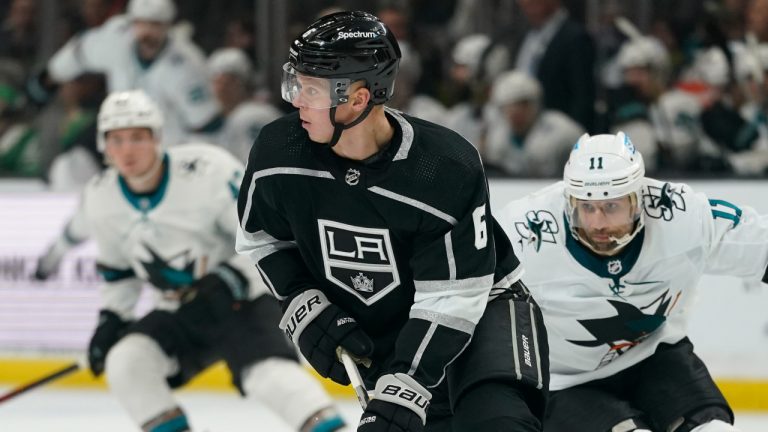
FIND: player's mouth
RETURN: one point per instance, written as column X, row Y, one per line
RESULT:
column 600, row 237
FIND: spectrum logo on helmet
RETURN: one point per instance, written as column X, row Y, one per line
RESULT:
column 357, row 34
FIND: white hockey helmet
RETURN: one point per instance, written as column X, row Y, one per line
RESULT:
column 604, row 167
column 128, row 109
column 515, row 86
column 152, row 10
column 231, row 61
column 469, row 50
column 645, row 51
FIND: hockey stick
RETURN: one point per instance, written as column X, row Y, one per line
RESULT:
column 72, row 367
column 354, row 377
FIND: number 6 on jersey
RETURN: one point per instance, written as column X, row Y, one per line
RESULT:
column 481, row 228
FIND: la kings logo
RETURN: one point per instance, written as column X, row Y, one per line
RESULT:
column 359, row 260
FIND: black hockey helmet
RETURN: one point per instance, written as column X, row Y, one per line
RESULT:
column 343, row 48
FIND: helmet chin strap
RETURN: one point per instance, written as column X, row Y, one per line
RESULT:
column 338, row 128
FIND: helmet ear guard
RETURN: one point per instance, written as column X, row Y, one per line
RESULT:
column 604, row 167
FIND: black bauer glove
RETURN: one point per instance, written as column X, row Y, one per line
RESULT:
column 318, row 327
column 109, row 330
column 214, row 296
column 399, row 404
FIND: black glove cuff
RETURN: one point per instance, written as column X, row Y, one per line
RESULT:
column 110, row 320
column 230, row 279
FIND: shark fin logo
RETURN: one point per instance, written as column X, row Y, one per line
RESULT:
column 539, row 227
column 660, row 203
column 167, row 277
column 629, row 327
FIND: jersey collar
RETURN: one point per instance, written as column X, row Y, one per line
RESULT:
column 613, row 267
column 145, row 202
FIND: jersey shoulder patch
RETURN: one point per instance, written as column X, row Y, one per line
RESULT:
column 663, row 201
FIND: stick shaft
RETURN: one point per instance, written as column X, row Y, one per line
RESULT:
column 354, row 377
column 74, row 367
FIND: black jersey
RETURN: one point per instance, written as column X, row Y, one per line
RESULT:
column 404, row 244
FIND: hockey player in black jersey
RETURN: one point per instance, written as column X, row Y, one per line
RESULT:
column 373, row 229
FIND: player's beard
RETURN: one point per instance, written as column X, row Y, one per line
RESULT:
column 607, row 246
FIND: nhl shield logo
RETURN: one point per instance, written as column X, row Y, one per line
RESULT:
column 614, row 267
column 352, row 177
column 359, row 260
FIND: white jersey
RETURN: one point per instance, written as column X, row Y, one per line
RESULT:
column 542, row 152
column 242, row 126
column 177, row 80
column 605, row 314
column 171, row 237
column 676, row 119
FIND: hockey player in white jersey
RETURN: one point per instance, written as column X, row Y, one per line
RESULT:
column 168, row 219
column 138, row 50
column 614, row 259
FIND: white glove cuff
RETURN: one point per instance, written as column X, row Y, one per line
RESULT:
column 301, row 311
column 403, row 390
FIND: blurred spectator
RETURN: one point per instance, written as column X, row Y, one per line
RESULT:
column 757, row 19
column 244, row 117
column 644, row 66
column 240, row 33
column 95, row 12
column 19, row 142
column 68, row 134
column 18, row 34
column 76, row 159
column 137, row 50
column 560, row 53
column 470, row 87
column 527, row 141
column 734, row 115
column 406, row 99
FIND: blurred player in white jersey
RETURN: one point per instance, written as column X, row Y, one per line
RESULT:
column 168, row 219
column 138, row 50
column 614, row 260
column 244, row 116
column 526, row 139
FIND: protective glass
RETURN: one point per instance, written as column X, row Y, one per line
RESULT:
column 605, row 225
column 313, row 92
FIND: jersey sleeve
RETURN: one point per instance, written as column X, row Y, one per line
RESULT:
column 90, row 51
column 226, row 222
column 265, row 236
column 453, row 268
column 737, row 239
column 74, row 233
column 121, row 287
column 191, row 91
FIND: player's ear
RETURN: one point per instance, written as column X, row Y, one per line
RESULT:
column 360, row 98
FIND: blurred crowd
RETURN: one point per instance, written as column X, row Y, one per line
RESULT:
column 520, row 79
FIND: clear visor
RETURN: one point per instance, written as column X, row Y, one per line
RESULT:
column 605, row 225
column 312, row 92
